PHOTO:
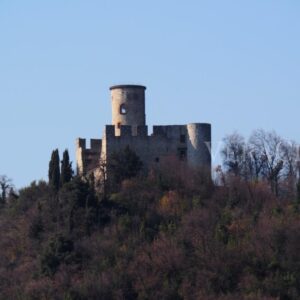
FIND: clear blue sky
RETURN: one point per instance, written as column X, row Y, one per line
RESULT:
column 233, row 63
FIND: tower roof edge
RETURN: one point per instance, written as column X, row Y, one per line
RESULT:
column 126, row 86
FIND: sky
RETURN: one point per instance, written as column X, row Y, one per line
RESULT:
column 233, row 63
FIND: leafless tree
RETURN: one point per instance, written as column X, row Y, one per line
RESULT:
column 5, row 186
column 233, row 153
column 267, row 152
column 290, row 155
column 291, row 166
column 254, row 163
column 266, row 156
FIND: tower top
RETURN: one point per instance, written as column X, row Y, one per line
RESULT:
column 127, row 86
column 128, row 106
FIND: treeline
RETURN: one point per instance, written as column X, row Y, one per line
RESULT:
column 264, row 157
column 172, row 233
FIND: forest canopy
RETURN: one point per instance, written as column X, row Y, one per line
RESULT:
column 171, row 233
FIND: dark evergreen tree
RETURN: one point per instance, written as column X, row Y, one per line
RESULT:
column 54, row 171
column 124, row 164
column 60, row 249
column 66, row 169
column 78, row 206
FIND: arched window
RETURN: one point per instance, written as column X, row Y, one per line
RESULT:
column 123, row 109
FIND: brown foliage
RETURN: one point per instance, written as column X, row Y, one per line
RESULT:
column 166, row 236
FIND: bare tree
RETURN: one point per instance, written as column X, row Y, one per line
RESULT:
column 290, row 155
column 233, row 153
column 291, row 167
column 254, row 163
column 5, row 186
column 266, row 156
column 267, row 152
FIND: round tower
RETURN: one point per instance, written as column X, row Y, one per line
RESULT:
column 199, row 145
column 128, row 106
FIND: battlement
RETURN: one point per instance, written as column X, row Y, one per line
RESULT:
column 87, row 158
column 81, row 143
column 189, row 143
column 95, row 144
column 126, row 131
column 163, row 131
column 159, row 131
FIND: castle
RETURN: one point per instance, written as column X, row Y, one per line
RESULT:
column 189, row 143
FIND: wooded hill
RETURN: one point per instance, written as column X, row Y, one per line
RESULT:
column 170, row 234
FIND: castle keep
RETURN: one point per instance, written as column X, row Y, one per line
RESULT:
column 189, row 143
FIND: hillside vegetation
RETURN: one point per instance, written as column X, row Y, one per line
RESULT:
column 170, row 234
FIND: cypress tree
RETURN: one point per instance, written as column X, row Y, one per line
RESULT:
column 66, row 169
column 54, row 171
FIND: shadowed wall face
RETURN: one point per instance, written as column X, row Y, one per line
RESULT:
column 128, row 107
column 199, row 145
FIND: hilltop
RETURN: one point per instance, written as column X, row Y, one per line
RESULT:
column 172, row 233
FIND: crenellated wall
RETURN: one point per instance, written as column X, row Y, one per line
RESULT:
column 188, row 143
column 87, row 158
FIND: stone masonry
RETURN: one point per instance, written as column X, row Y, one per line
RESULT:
column 188, row 143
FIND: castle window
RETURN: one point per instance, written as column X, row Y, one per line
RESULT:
column 157, row 159
column 123, row 109
column 119, row 125
column 182, row 138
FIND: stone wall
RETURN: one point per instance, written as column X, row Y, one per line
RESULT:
column 128, row 106
column 87, row 158
column 190, row 143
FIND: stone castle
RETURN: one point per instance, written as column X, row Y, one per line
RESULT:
column 189, row 143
